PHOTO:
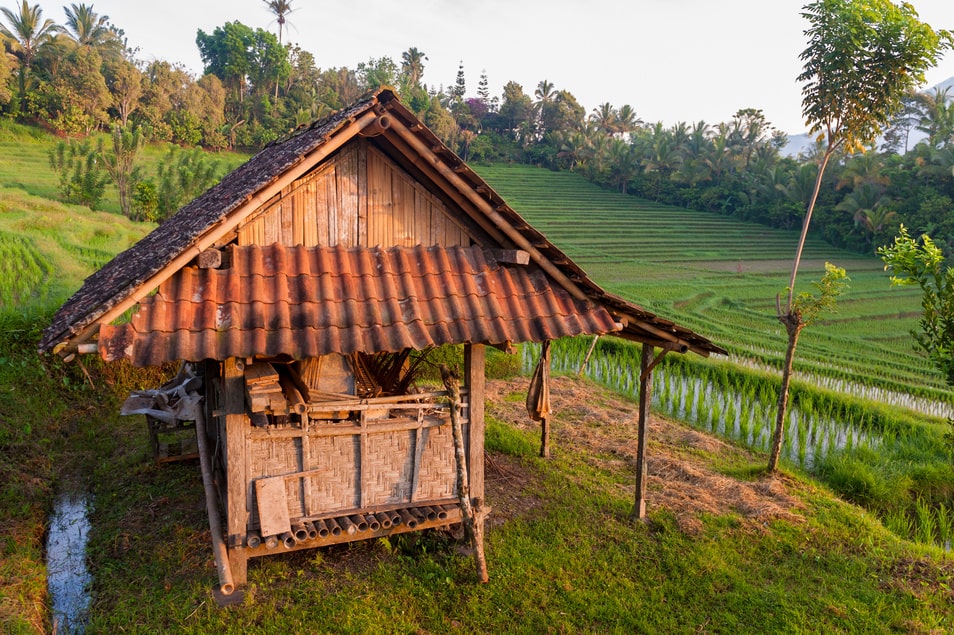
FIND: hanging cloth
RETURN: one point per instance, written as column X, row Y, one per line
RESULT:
column 538, row 393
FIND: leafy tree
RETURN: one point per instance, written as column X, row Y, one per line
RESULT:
column 225, row 53
column 82, row 91
column 25, row 33
column 124, row 81
column 379, row 72
column 516, row 109
column 863, row 57
column 921, row 262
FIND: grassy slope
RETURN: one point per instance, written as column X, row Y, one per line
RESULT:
column 47, row 248
column 720, row 276
column 549, row 563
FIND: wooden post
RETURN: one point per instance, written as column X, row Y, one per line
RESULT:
column 475, row 356
column 233, row 385
column 473, row 525
column 645, row 396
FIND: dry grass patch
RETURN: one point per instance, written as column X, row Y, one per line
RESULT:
column 680, row 461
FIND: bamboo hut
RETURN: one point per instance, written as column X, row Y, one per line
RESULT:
column 300, row 290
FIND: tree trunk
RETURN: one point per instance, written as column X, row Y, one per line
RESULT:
column 793, row 325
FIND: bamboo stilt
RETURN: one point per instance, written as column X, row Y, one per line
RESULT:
column 473, row 523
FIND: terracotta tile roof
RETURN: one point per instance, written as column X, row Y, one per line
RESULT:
column 308, row 301
column 128, row 270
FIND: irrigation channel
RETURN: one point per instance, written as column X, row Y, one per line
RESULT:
column 68, row 577
column 746, row 416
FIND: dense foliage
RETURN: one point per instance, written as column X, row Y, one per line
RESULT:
column 84, row 76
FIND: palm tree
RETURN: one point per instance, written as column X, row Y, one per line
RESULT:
column 25, row 33
column 545, row 94
column 604, row 116
column 85, row 27
column 280, row 8
column 626, row 119
column 412, row 64
column 937, row 119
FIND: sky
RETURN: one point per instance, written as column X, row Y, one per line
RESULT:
column 671, row 60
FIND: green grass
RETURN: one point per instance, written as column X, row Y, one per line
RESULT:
column 567, row 560
column 720, row 277
column 47, row 248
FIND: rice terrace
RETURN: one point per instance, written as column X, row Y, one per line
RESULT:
column 292, row 349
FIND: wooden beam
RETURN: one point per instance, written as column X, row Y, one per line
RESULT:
column 645, row 397
column 233, row 385
column 475, row 356
column 209, row 238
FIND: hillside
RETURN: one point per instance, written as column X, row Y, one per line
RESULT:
column 720, row 277
column 726, row 548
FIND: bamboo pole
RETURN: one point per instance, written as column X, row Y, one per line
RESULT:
column 473, row 524
column 589, row 353
column 222, row 565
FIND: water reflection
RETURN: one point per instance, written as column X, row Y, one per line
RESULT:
column 68, row 578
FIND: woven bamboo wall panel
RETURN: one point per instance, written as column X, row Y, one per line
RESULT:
column 355, row 471
column 333, row 483
column 275, row 457
column 438, row 478
column 387, row 465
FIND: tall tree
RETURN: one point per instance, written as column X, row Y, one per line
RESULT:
column 280, row 8
column 85, row 27
column 25, row 33
column 412, row 65
column 863, row 57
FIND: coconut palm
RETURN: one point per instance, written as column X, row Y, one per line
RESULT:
column 937, row 118
column 626, row 119
column 25, row 32
column 412, row 65
column 280, row 8
column 85, row 27
column 604, row 116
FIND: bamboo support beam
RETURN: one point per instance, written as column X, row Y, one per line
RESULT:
column 222, row 565
column 473, row 523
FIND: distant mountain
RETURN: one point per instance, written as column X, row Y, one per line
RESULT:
column 800, row 143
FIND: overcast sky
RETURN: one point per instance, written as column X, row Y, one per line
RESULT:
column 672, row 60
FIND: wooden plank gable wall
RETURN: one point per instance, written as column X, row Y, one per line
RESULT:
column 357, row 198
